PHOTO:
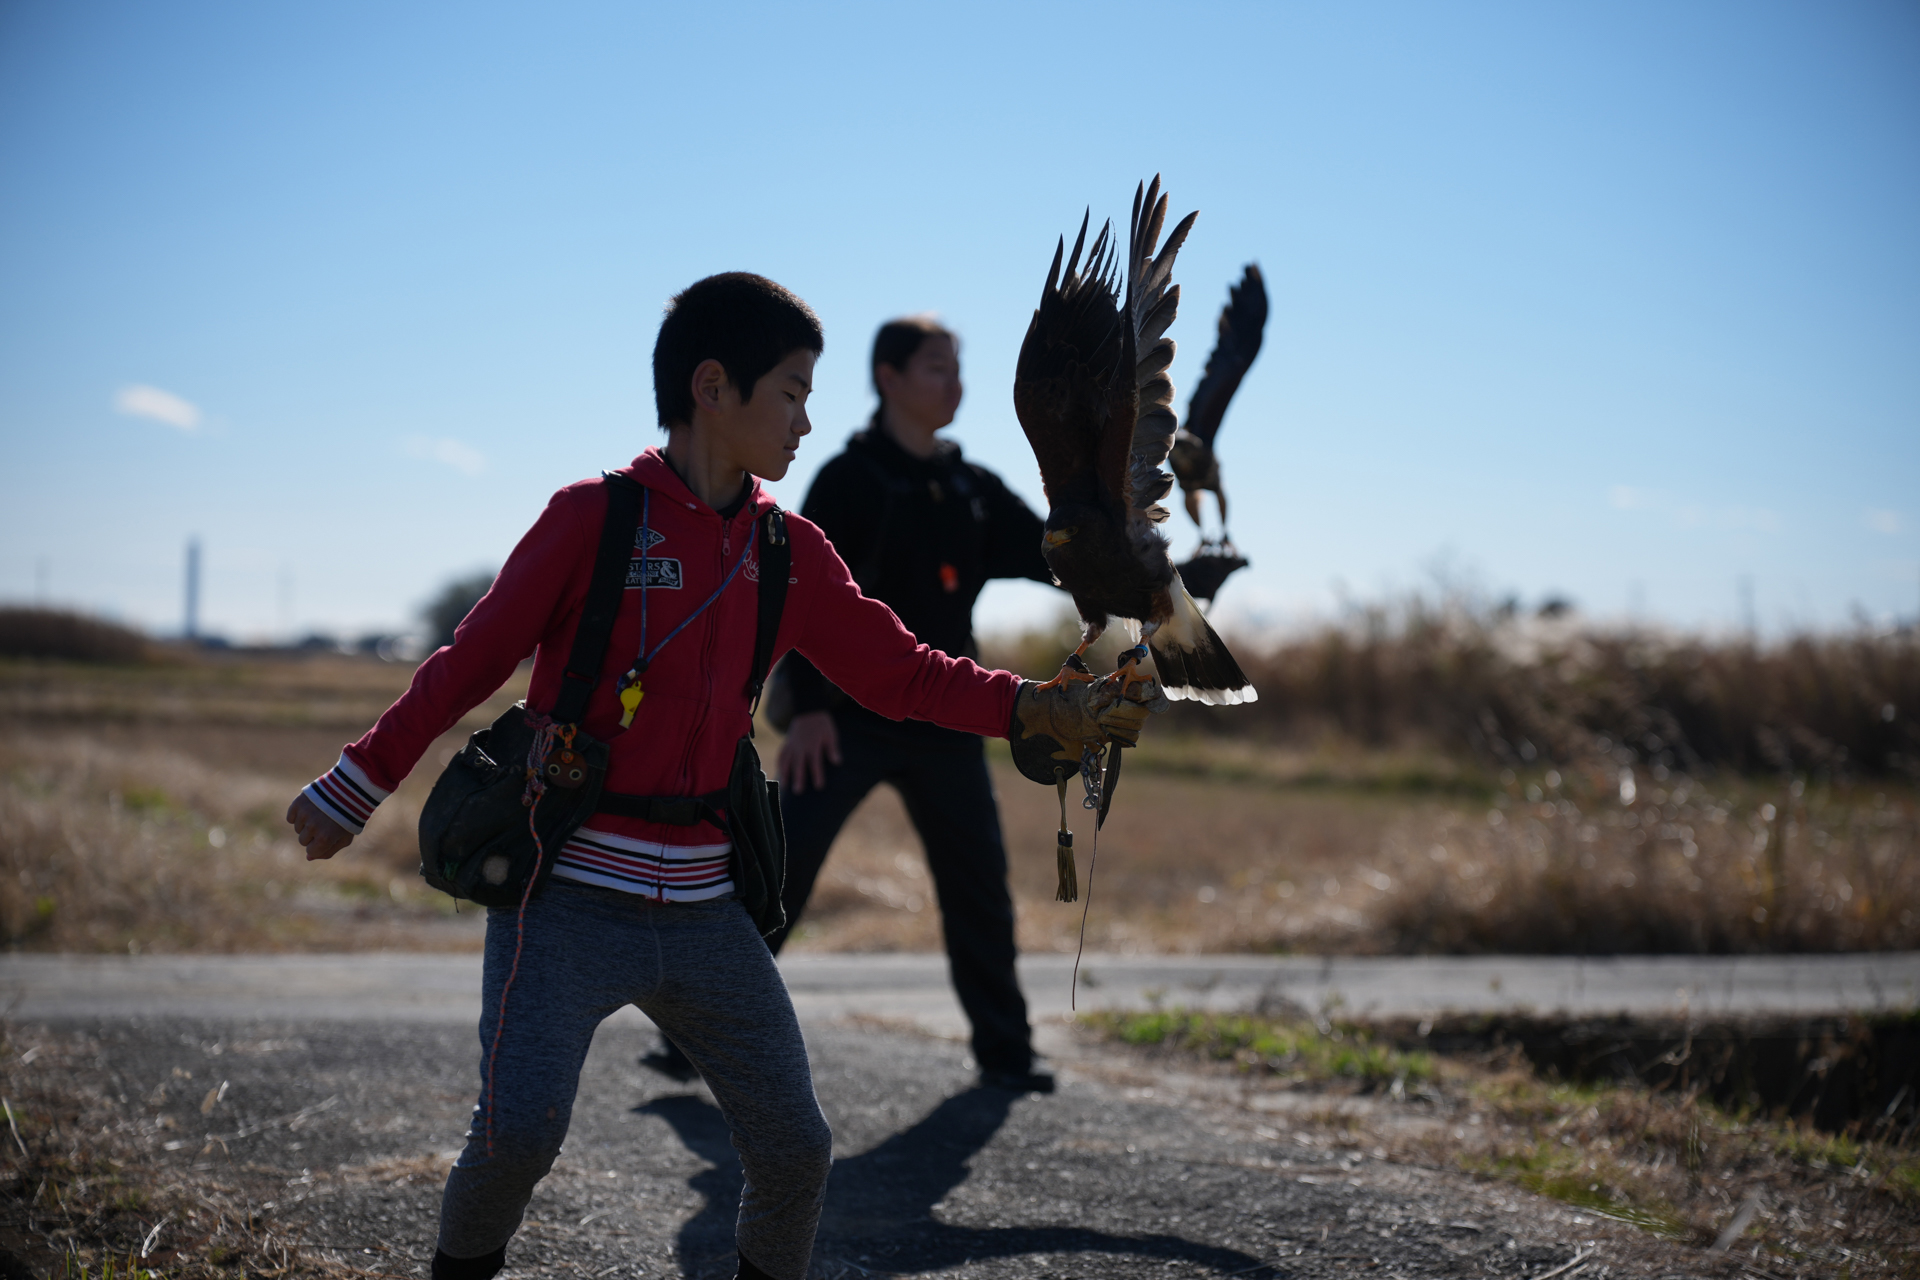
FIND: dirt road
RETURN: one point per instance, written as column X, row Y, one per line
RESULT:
column 340, row 1130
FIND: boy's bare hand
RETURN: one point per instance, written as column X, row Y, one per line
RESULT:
column 322, row 836
column 811, row 743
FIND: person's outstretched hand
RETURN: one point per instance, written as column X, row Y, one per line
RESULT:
column 322, row 836
column 812, row 743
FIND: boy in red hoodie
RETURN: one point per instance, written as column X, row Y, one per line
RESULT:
column 641, row 913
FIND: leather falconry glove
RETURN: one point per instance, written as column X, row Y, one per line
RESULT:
column 1051, row 725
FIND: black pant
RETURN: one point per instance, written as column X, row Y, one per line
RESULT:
column 949, row 796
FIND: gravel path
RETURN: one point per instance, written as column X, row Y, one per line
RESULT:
column 345, row 1128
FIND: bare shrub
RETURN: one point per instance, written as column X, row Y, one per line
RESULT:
column 72, row 637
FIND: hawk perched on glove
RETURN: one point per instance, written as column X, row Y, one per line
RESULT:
column 1092, row 393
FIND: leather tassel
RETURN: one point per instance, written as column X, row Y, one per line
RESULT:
column 1069, row 889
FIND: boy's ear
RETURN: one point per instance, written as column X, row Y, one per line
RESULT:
column 709, row 380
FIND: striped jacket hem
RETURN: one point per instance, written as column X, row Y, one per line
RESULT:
column 663, row 872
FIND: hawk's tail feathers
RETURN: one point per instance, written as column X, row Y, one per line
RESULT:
column 1192, row 659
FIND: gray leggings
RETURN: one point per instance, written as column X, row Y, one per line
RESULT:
column 700, row 971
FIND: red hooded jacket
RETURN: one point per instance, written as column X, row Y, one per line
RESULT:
column 695, row 705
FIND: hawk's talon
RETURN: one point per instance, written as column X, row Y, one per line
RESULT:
column 1074, row 668
column 1128, row 672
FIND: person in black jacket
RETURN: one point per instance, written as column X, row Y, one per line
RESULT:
column 923, row 530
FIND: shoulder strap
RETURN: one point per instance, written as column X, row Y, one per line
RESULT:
column 776, row 562
column 605, row 591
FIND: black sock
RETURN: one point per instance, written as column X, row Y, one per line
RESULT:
column 484, row 1267
column 750, row 1272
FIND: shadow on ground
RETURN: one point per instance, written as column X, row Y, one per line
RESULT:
column 880, row 1203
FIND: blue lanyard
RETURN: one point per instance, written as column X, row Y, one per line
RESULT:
column 629, row 686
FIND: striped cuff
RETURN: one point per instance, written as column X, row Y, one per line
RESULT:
column 344, row 794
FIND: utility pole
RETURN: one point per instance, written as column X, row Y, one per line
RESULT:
column 193, row 589
column 1746, row 608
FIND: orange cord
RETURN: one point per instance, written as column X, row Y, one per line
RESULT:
column 519, row 941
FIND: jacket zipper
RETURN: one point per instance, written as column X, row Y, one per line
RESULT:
column 708, row 642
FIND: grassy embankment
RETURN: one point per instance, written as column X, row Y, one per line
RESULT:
column 1672, row 1163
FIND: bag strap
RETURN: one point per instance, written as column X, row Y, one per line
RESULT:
column 605, row 591
column 776, row 562
column 671, row 811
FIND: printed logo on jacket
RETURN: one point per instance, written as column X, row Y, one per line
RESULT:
column 660, row 573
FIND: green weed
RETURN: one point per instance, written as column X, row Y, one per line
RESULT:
column 146, row 800
column 1810, row 1146
column 1274, row 1045
column 1602, row 1187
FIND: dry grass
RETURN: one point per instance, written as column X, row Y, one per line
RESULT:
column 293, row 691
column 114, row 781
column 1671, row 1164
column 143, row 810
column 1185, row 864
column 1376, row 852
column 81, row 1197
column 108, row 847
column 1574, row 867
column 1469, row 679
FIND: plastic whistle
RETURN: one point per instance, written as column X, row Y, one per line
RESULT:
column 630, row 702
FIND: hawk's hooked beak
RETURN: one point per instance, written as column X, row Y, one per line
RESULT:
column 1059, row 537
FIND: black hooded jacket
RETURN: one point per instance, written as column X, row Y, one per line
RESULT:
column 922, row 537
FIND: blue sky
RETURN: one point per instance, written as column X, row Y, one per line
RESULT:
column 1617, row 301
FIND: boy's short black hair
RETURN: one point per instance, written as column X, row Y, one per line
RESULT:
column 746, row 322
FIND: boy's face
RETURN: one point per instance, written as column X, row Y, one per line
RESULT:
column 762, row 435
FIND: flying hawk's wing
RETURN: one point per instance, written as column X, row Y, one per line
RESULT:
column 1152, row 301
column 1069, row 365
column 1243, row 321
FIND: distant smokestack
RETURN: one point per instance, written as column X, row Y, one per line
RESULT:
column 193, row 589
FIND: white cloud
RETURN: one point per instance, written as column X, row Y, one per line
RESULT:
column 1692, row 515
column 465, row 459
column 140, row 401
column 1888, row 522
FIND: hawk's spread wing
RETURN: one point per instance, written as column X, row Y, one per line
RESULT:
column 1069, row 367
column 1152, row 302
column 1243, row 322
